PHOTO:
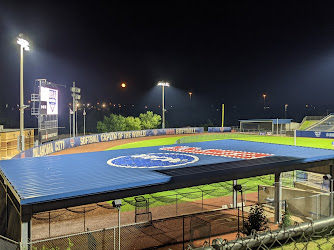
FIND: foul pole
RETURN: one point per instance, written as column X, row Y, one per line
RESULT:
column 223, row 107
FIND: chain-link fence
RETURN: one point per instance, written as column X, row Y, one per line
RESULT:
column 176, row 232
column 181, row 202
column 313, row 235
column 169, row 218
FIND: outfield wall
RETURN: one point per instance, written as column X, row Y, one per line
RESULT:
column 314, row 134
column 59, row 145
column 219, row 129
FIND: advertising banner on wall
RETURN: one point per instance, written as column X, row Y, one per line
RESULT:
column 48, row 135
column 219, row 129
column 314, row 134
column 59, row 145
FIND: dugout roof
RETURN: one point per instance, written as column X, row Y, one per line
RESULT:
column 274, row 121
column 53, row 182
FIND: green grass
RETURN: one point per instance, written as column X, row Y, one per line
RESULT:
column 301, row 141
column 147, row 143
column 306, row 124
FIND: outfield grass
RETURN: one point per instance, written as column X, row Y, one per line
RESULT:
column 301, row 141
column 147, row 143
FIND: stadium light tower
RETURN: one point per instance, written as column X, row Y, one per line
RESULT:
column 190, row 94
column 163, row 84
column 24, row 45
column 264, row 101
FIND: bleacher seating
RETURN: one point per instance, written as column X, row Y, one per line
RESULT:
column 324, row 125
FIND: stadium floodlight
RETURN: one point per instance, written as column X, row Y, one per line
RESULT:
column 24, row 45
column 190, row 94
column 163, row 84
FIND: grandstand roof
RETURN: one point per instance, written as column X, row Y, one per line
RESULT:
column 53, row 182
column 274, row 121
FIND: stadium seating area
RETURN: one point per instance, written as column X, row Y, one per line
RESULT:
column 325, row 125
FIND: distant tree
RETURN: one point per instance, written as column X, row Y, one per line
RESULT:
column 112, row 123
column 132, row 123
column 208, row 124
column 149, row 120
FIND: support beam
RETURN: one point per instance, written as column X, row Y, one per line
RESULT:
column 25, row 234
column 331, row 190
column 278, row 198
column 235, row 194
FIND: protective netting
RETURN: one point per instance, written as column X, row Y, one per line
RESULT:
column 199, row 229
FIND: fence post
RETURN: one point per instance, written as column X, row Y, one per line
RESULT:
column 183, row 232
column 114, row 238
column 103, row 239
column 84, row 214
column 202, row 200
column 49, row 224
column 176, row 203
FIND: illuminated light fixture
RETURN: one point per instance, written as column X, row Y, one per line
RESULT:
column 165, row 84
column 123, row 85
column 24, row 43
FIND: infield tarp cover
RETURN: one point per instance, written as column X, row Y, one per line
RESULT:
column 65, row 176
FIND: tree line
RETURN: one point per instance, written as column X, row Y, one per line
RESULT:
column 115, row 122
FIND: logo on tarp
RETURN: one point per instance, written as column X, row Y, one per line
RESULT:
column 153, row 160
column 217, row 152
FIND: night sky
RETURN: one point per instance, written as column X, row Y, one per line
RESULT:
column 229, row 53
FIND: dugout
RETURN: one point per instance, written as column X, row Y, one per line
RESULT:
column 275, row 126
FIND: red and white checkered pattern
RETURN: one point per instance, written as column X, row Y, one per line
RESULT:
column 217, row 152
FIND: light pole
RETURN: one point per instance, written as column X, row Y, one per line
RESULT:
column 84, row 115
column 163, row 84
column 264, row 101
column 190, row 94
column 285, row 109
column 24, row 44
